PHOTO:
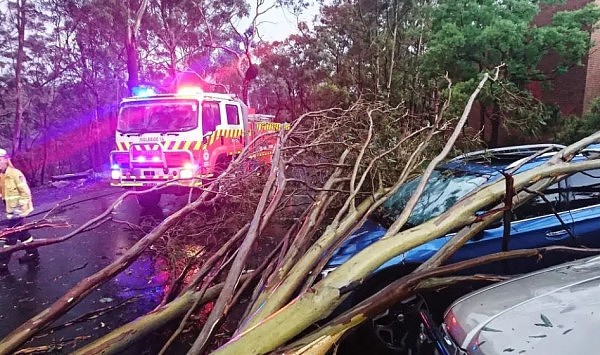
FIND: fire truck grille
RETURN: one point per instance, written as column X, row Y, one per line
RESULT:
column 150, row 159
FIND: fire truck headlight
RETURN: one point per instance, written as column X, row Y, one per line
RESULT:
column 186, row 173
column 155, row 159
column 141, row 159
column 115, row 174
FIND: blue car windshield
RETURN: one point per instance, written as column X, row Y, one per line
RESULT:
column 443, row 189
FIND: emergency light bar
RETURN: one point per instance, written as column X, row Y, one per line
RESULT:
column 189, row 90
column 142, row 91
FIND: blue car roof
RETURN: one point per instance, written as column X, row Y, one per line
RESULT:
column 479, row 169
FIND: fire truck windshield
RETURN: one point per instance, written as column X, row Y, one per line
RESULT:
column 158, row 116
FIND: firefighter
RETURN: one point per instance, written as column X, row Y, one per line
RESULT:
column 17, row 198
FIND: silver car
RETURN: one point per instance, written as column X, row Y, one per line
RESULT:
column 550, row 311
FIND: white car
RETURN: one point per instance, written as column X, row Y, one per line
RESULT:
column 550, row 311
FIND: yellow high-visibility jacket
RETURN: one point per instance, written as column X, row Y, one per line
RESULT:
column 16, row 193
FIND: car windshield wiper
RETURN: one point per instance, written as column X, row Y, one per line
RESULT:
column 186, row 128
column 131, row 134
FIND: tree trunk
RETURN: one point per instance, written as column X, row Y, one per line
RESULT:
column 44, row 148
column 97, row 140
column 482, row 118
column 21, row 22
column 173, row 61
column 495, row 119
column 131, row 46
column 118, row 341
column 245, row 86
column 393, row 52
column 245, row 248
column 132, row 60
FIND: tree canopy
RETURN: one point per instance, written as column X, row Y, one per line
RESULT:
column 398, row 51
column 470, row 36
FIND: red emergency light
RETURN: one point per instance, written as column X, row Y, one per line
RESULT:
column 189, row 90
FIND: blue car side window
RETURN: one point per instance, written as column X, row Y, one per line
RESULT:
column 553, row 199
column 584, row 189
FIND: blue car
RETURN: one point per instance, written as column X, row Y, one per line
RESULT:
column 568, row 213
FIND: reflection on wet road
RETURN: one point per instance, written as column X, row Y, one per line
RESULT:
column 29, row 289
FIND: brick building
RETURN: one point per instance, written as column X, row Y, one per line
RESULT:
column 572, row 91
column 592, row 79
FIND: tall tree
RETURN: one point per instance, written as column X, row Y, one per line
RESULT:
column 19, row 14
column 134, row 21
column 471, row 36
column 295, row 78
column 358, row 48
column 99, row 65
column 180, row 34
column 23, row 37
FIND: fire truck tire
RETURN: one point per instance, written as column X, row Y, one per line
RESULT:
column 150, row 199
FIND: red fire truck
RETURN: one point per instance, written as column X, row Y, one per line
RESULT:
column 182, row 138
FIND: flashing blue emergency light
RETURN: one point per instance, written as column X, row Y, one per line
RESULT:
column 142, row 91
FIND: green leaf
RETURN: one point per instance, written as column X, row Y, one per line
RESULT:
column 545, row 320
column 538, row 336
column 488, row 329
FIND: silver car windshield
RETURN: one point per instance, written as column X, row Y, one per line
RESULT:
column 443, row 189
column 158, row 116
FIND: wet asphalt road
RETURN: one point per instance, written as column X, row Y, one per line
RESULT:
column 29, row 289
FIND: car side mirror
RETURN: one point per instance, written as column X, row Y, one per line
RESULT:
column 206, row 136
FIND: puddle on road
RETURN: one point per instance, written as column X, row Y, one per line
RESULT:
column 27, row 290
column 146, row 280
column 135, row 291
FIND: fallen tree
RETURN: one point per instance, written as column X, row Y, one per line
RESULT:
column 330, row 171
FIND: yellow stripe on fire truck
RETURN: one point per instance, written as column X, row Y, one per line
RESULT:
column 271, row 126
column 124, row 146
column 185, row 145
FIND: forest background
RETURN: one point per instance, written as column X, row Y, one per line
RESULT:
column 65, row 65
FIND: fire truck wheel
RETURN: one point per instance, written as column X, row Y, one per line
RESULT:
column 150, row 199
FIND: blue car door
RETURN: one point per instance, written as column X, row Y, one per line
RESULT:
column 584, row 205
column 535, row 224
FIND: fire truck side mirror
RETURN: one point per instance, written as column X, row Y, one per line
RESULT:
column 206, row 136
